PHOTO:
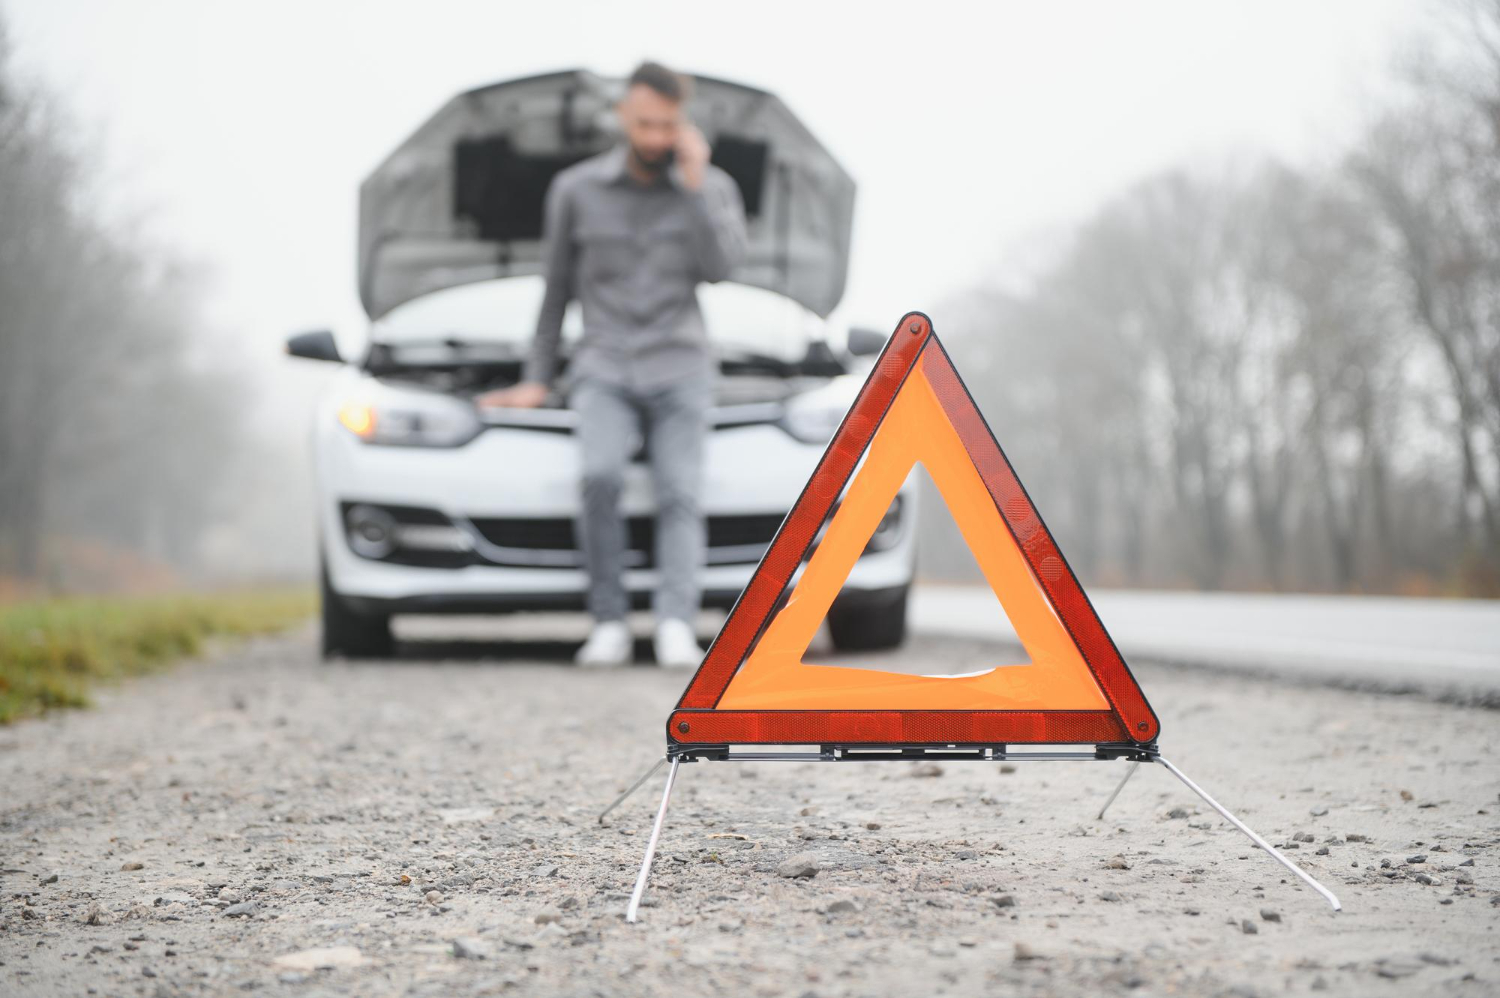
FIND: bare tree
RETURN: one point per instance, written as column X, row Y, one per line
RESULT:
column 109, row 431
column 1431, row 167
column 1276, row 377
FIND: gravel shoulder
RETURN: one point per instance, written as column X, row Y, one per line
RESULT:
column 259, row 822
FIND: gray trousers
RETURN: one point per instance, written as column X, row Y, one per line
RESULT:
column 673, row 421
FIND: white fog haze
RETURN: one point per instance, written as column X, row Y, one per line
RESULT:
column 233, row 137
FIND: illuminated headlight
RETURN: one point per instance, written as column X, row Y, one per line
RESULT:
column 410, row 419
column 813, row 416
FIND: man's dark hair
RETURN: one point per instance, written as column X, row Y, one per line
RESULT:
column 672, row 86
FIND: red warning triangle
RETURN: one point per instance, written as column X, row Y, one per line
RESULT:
column 754, row 687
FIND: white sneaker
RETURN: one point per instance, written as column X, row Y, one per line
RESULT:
column 676, row 647
column 609, row 645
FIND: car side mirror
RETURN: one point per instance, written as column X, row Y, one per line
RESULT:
column 863, row 341
column 318, row 344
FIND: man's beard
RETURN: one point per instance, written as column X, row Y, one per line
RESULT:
column 658, row 165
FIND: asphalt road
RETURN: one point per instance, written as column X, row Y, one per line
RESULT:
column 263, row 823
column 1446, row 648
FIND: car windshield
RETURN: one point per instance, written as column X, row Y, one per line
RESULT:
column 739, row 319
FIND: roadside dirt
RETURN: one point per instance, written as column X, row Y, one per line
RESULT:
column 427, row 827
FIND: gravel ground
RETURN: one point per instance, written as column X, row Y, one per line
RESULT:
column 260, row 822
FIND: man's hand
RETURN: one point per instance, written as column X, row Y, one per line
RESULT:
column 692, row 156
column 526, row 395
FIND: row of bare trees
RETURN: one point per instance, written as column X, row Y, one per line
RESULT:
column 113, row 430
column 1271, row 377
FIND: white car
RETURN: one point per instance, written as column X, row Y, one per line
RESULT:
column 427, row 504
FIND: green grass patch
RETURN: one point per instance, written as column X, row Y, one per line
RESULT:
column 52, row 650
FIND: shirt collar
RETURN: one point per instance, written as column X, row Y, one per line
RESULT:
column 616, row 169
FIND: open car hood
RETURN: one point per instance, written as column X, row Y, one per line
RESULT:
column 460, row 200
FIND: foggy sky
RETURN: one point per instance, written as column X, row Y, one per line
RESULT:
column 235, row 136
column 244, row 129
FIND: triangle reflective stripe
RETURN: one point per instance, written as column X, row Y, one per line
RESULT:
column 753, row 685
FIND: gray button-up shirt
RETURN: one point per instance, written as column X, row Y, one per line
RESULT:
column 633, row 256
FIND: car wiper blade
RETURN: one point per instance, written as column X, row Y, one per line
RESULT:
column 819, row 362
column 750, row 360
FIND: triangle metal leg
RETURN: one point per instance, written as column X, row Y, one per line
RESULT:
column 1126, row 779
column 1237, row 823
column 633, row 787
column 661, row 814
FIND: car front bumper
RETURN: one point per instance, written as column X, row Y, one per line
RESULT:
column 752, row 473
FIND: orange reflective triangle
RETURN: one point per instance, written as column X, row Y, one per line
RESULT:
column 754, row 685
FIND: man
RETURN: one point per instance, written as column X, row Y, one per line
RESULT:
column 631, row 232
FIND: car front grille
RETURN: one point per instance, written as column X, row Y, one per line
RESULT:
column 732, row 540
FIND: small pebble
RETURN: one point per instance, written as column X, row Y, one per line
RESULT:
column 469, row 948
column 799, row 867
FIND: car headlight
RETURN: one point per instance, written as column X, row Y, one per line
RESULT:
column 812, row 416
column 410, row 419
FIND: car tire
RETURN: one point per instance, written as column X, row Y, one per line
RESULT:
column 347, row 634
column 869, row 621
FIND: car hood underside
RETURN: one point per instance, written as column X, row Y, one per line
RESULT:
column 460, row 201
